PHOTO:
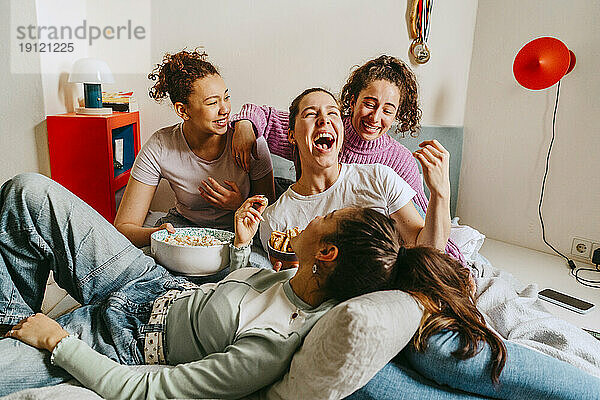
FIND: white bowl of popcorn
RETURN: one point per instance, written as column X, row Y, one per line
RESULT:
column 191, row 251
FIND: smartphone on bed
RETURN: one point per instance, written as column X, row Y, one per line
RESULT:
column 566, row 301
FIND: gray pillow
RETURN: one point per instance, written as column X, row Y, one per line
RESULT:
column 348, row 346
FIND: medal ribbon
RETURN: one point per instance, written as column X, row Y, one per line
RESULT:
column 423, row 19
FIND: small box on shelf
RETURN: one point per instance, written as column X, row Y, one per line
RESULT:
column 120, row 101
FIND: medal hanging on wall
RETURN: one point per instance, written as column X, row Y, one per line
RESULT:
column 420, row 20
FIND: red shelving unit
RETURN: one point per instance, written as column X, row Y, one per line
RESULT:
column 82, row 155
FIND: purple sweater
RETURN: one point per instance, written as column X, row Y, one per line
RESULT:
column 273, row 125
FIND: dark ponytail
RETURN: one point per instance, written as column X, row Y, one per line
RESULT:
column 442, row 285
column 371, row 258
column 367, row 245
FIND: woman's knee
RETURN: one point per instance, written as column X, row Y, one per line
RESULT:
column 26, row 185
column 27, row 189
column 438, row 363
column 28, row 181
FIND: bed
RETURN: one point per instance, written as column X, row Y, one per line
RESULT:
column 353, row 341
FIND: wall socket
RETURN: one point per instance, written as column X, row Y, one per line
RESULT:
column 583, row 248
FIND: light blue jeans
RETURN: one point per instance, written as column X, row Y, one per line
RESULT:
column 44, row 227
column 436, row 374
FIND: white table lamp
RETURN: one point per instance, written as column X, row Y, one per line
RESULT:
column 91, row 72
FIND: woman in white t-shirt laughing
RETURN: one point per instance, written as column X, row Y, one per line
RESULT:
column 317, row 132
column 194, row 155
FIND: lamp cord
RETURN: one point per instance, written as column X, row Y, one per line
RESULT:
column 574, row 270
column 546, row 175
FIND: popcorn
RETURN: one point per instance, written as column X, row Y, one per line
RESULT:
column 193, row 240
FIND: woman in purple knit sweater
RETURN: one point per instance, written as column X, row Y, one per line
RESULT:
column 377, row 94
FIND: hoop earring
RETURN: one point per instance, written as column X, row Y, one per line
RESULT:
column 314, row 268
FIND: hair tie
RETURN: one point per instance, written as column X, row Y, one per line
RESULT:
column 393, row 276
column 402, row 251
column 395, row 267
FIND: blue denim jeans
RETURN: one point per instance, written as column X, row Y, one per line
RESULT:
column 436, row 374
column 44, row 227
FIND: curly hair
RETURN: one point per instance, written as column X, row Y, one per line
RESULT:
column 177, row 73
column 396, row 72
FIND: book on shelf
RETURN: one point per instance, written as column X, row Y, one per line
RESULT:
column 119, row 101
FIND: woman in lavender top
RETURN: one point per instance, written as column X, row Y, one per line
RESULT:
column 377, row 94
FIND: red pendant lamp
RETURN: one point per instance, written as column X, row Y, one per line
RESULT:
column 542, row 62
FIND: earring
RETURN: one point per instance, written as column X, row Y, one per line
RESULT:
column 314, row 268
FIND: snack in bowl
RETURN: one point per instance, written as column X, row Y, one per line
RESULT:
column 193, row 240
column 280, row 249
column 191, row 251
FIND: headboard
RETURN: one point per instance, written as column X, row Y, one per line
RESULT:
column 450, row 137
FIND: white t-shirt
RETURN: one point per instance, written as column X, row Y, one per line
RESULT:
column 167, row 155
column 373, row 186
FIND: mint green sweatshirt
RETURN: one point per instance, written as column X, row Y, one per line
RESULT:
column 227, row 340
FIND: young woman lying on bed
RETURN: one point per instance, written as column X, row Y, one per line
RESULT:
column 443, row 349
column 377, row 94
column 225, row 341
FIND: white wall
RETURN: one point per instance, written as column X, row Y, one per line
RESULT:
column 508, row 128
column 270, row 50
column 23, row 142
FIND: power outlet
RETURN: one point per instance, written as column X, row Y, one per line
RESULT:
column 581, row 248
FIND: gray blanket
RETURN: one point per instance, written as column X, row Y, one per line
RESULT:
column 516, row 313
